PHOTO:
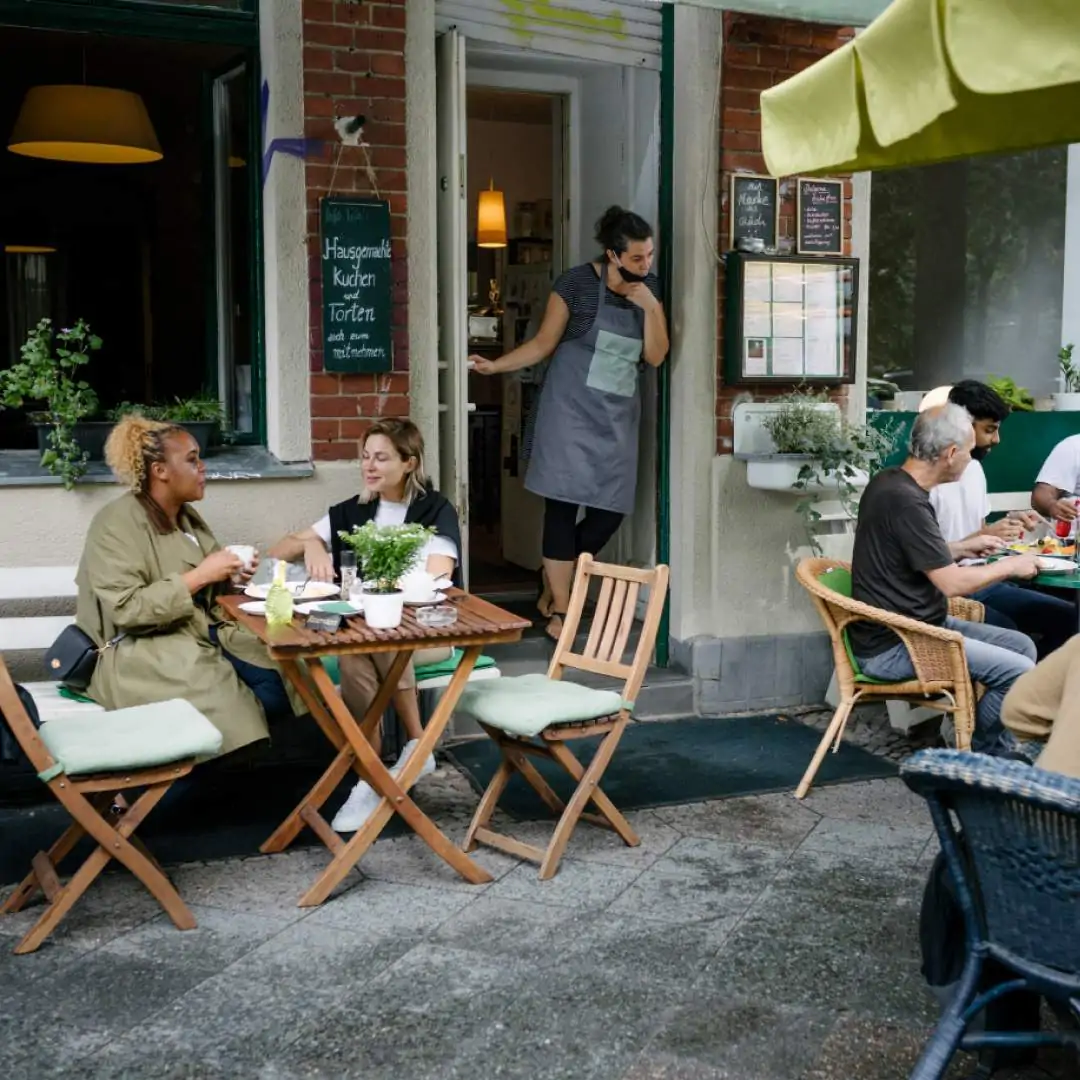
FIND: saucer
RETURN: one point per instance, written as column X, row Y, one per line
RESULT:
column 435, row 598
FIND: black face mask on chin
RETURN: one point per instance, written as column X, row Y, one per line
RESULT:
column 627, row 275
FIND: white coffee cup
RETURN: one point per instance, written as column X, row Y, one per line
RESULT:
column 418, row 587
column 244, row 552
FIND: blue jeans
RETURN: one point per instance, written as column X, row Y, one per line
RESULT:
column 1017, row 608
column 265, row 683
column 996, row 657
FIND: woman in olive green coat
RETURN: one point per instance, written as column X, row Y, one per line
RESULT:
column 151, row 570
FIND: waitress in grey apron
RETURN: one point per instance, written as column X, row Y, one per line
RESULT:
column 603, row 319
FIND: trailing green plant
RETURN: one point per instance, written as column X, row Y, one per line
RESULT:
column 386, row 553
column 201, row 409
column 1018, row 398
column 48, row 373
column 837, row 453
column 1070, row 372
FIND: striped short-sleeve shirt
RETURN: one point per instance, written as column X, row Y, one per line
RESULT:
column 578, row 288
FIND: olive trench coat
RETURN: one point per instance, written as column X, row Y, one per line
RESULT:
column 130, row 582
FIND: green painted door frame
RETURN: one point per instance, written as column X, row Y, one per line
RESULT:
column 663, row 401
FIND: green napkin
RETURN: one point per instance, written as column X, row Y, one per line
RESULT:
column 74, row 695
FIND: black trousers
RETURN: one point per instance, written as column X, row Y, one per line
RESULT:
column 565, row 538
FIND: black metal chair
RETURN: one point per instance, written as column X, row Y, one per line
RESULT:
column 1011, row 837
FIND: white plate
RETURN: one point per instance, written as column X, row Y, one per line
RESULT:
column 313, row 590
column 318, row 605
column 1055, row 564
column 254, row 607
column 438, row 598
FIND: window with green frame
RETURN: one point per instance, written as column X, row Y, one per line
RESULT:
column 167, row 336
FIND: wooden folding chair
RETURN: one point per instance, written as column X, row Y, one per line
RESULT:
column 87, row 763
column 536, row 715
column 941, row 680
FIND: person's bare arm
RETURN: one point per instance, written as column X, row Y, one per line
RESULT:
column 306, row 544
column 440, row 565
column 1053, row 502
column 655, row 346
column 528, row 353
column 975, row 546
column 958, row 580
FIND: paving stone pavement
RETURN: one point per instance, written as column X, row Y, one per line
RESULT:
column 746, row 939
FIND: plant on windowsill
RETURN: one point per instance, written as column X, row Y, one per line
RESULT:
column 1018, row 398
column 48, row 373
column 202, row 415
column 834, row 457
column 1068, row 400
column 384, row 555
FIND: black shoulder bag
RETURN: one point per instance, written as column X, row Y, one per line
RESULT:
column 74, row 655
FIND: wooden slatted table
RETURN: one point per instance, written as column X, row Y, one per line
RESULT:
column 299, row 652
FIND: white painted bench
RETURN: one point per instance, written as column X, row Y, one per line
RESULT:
column 38, row 632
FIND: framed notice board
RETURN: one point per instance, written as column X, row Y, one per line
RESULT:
column 790, row 319
column 754, row 208
column 819, row 218
column 357, row 285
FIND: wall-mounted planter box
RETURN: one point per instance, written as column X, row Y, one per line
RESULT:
column 780, row 472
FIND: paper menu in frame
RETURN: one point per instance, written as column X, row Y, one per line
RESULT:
column 756, row 355
column 787, row 357
column 787, row 320
column 824, row 330
column 757, row 282
column 757, row 319
column 787, row 283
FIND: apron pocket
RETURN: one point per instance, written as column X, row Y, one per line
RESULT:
column 613, row 368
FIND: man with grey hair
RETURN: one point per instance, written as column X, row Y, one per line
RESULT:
column 903, row 565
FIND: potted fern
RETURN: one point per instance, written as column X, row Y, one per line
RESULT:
column 1068, row 400
column 385, row 554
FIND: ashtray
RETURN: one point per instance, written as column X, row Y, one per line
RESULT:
column 440, row 615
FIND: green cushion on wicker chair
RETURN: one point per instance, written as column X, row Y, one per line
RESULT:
column 838, row 579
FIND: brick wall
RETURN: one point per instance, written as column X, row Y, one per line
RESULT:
column 759, row 53
column 354, row 64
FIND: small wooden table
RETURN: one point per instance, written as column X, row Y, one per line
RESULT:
column 299, row 652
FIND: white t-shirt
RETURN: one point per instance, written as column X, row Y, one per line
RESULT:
column 961, row 507
column 1062, row 468
column 393, row 513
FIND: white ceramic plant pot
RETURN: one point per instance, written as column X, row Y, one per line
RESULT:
column 780, row 472
column 1066, row 402
column 382, row 611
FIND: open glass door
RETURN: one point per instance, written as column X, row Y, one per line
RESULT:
column 453, row 280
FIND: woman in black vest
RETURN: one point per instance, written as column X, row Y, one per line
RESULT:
column 395, row 491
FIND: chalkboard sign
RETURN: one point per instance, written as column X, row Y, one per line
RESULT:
column 754, row 208
column 820, row 217
column 357, row 284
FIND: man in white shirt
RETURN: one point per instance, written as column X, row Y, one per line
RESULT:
column 962, row 507
column 1058, row 483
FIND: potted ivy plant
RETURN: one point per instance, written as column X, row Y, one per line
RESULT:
column 821, row 454
column 385, row 554
column 202, row 415
column 1068, row 400
column 49, row 374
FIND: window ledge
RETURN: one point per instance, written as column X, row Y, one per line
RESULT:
column 22, row 468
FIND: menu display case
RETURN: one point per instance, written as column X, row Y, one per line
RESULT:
column 790, row 319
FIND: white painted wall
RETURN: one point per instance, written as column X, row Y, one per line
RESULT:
column 288, row 402
column 52, row 523
column 1070, row 305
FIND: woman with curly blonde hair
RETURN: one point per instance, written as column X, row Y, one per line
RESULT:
column 151, row 571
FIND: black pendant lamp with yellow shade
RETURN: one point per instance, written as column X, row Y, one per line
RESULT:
column 88, row 124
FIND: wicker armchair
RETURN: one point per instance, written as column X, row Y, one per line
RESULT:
column 941, row 674
column 1016, row 867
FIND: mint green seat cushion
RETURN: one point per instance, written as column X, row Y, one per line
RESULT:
column 425, row 671
column 838, row 579
column 526, row 704
column 136, row 738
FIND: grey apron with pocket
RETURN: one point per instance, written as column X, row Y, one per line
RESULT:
column 586, row 446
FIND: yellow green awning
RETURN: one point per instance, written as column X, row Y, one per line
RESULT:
column 932, row 80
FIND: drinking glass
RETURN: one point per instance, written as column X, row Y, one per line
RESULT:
column 348, row 573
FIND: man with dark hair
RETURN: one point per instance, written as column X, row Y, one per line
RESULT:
column 961, row 509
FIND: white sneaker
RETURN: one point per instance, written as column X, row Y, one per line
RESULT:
column 357, row 808
column 406, row 753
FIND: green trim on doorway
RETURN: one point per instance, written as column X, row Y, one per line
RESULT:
column 173, row 21
column 666, row 224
